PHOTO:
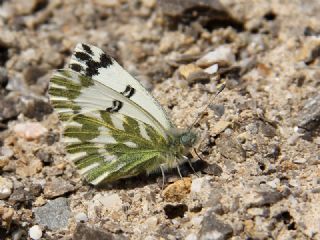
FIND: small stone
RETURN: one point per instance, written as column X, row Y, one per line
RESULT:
column 55, row 214
column 178, row 190
column 81, row 217
column 28, row 167
column 220, row 126
column 44, row 156
column 258, row 212
column 106, row 202
column 199, row 185
column 212, row 69
column 223, row 56
column 107, row 3
column 300, row 161
column 186, row 70
column 83, row 232
column 6, row 186
column 6, row 215
column 259, row 199
column 32, row 73
column 37, row 109
column 57, row 187
column 30, row 130
column 218, row 109
column 230, row 148
column 198, row 77
column 214, row 229
column 309, row 116
column 35, row 232
column 212, row 169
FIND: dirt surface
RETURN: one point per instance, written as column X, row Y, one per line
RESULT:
column 259, row 177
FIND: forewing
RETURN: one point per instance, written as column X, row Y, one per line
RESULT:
column 94, row 63
column 72, row 92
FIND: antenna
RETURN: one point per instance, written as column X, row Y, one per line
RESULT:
column 220, row 89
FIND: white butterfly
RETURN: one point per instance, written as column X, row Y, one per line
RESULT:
column 113, row 127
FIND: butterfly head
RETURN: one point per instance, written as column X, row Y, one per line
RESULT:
column 188, row 139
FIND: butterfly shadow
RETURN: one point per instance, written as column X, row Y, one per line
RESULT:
column 171, row 175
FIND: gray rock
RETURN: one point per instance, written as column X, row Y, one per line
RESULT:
column 259, row 199
column 309, row 116
column 83, row 232
column 231, row 149
column 54, row 214
column 214, row 229
column 213, row 169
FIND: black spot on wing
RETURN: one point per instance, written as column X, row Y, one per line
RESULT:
column 76, row 67
column 92, row 68
column 128, row 92
column 83, row 56
column 105, row 60
column 116, row 106
column 87, row 49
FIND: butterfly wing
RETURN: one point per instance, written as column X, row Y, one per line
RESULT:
column 92, row 62
column 108, row 146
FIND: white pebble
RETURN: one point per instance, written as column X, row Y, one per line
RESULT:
column 223, row 55
column 35, row 232
column 212, row 69
column 29, row 130
column 5, row 187
column 81, row 217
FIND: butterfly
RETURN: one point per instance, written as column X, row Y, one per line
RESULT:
column 113, row 128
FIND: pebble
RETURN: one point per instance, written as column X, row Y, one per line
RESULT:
column 220, row 126
column 55, row 214
column 6, row 215
column 214, row 229
column 223, row 56
column 259, row 199
column 35, row 232
column 186, row 70
column 199, row 185
column 213, row 169
column 57, row 187
column 109, row 201
column 30, row 130
column 6, row 186
column 107, row 3
column 300, row 160
column 28, row 167
column 230, row 148
column 309, row 116
column 178, row 190
column 212, row 69
column 81, row 217
column 198, row 77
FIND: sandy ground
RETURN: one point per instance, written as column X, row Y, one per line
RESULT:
column 259, row 177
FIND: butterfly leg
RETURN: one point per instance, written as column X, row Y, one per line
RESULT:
column 179, row 171
column 190, row 164
column 163, row 176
